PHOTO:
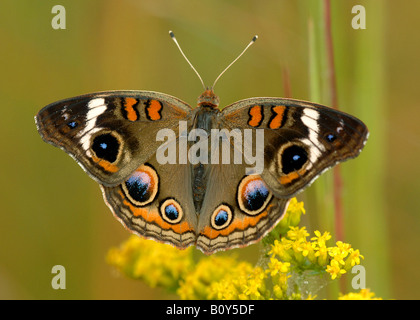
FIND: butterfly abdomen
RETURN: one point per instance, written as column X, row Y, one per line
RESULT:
column 199, row 185
column 204, row 119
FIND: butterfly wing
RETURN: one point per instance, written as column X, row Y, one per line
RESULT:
column 110, row 134
column 156, row 202
column 301, row 139
column 238, row 209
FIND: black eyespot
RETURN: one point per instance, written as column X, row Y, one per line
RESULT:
column 106, row 147
column 330, row 137
column 142, row 186
column 171, row 211
column 221, row 217
column 253, row 195
column 72, row 124
column 293, row 158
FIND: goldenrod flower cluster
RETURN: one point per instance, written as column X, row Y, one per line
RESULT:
column 364, row 294
column 315, row 254
column 291, row 219
column 221, row 277
column 289, row 251
column 158, row 265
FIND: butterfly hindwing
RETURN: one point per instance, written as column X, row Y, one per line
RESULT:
column 156, row 202
column 238, row 209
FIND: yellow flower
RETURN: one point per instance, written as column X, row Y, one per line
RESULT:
column 243, row 282
column 281, row 249
column 320, row 240
column 278, row 292
column 353, row 259
column 364, row 294
column 295, row 210
column 275, row 266
column 252, row 289
column 222, row 276
column 159, row 265
column 306, row 248
column 344, row 247
column 334, row 269
column 291, row 218
column 296, row 233
column 322, row 256
column 225, row 289
column 339, row 252
column 295, row 206
column 280, row 282
column 197, row 283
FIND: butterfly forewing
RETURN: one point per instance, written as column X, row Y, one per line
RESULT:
column 110, row 134
column 301, row 139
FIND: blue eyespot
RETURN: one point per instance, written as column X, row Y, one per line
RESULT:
column 72, row 124
column 139, row 186
column 221, row 218
column 142, row 186
column 331, row 137
column 171, row 212
column 253, row 195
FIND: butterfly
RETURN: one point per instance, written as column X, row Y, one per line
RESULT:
column 164, row 179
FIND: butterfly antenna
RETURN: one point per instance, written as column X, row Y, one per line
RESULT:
column 185, row 57
column 246, row 48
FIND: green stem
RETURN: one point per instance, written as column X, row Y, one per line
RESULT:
column 318, row 197
column 363, row 95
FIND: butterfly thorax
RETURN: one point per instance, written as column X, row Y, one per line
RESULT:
column 205, row 118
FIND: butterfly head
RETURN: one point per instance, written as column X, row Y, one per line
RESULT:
column 208, row 98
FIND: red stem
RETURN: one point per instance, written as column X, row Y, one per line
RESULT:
column 338, row 183
column 286, row 84
column 338, row 204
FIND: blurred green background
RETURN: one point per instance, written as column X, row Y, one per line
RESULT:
column 52, row 213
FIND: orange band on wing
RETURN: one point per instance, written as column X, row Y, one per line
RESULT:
column 152, row 215
column 291, row 176
column 277, row 120
column 106, row 165
column 237, row 224
column 129, row 104
column 256, row 116
column 153, row 110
